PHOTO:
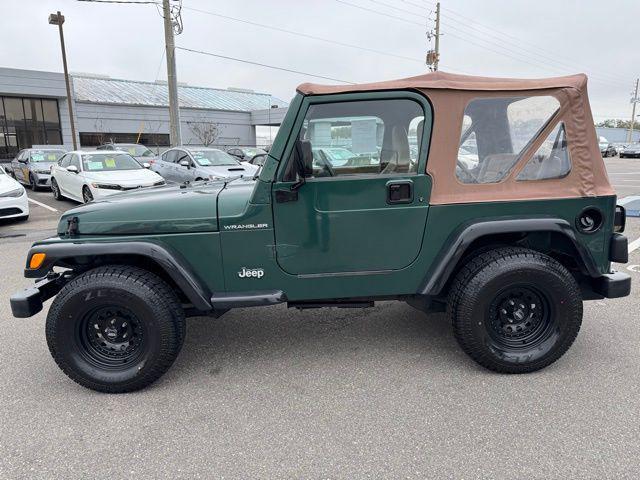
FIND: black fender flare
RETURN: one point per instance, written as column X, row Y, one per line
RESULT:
column 173, row 264
column 459, row 241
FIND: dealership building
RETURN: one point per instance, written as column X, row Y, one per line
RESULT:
column 34, row 111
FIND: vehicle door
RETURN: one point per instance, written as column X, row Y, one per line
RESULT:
column 19, row 165
column 162, row 166
column 184, row 173
column 368, row 214
column 60, row 173
column 75, row 180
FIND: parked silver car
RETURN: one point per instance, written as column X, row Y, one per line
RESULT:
column 32, row 166
column 182, row 164
column 244, row 154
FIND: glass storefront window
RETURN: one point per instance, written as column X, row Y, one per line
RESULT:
column 25, row 122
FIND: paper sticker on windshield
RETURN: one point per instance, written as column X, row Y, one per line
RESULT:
column 93, row 165
column 110, row 162
column 37, row 157
column 52, row 157
column 204, row 161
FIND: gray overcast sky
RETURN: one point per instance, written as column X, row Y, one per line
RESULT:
column 519, row 38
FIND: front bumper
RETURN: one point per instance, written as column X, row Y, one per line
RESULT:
column 28, row 302
column 613, row 285
column 42, row 179
column 13, row 207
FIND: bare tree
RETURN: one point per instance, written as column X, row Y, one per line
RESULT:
column 98, row 127
column 205, row 131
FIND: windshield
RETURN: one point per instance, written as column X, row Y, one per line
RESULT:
column 135, row 150
column 46, row 155
column 253, row 151
column 213, row 158
column 107, row 162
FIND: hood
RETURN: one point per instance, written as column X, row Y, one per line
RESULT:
column 126, row 178
column 157, row 210
column 7, row 184
column 42, row 165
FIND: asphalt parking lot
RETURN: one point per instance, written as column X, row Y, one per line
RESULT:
column 377, row 393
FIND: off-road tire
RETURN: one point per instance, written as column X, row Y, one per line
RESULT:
column 154, row 308
column 55, row 190
column 487, row 336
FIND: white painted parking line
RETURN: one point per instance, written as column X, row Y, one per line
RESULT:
column 634, row 245
column 42, row 205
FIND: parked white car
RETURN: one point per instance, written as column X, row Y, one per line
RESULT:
column 84, row 176
column 13, row 198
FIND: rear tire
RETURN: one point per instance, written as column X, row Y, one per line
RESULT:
column 515, row 310
column 115, row 328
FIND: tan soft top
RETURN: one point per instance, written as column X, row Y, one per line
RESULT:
column 450, row 81
column 449, row 95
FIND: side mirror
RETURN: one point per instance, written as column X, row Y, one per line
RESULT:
column 303, row 156
column 72, row 169
column 146, row 165
column 22, row 160
column 185, row 163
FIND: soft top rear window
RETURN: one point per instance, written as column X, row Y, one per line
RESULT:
column 495, row 133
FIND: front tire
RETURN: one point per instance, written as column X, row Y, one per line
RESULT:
column 115, row 328
column 87, row 196
column 55, row 189
column 515, row 310
column 32, row 183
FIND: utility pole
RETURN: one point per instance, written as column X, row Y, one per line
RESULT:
column 634, row 101
column 433, row 56
column 437, row 40
column 172, row 78
column 58, row 19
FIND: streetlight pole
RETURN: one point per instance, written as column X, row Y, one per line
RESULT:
column 58, row 19
column 172, row 77
column 634, row 101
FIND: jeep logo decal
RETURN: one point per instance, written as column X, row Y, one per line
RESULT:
column 251, row 273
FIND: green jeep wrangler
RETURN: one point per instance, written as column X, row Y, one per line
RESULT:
column 485, row 198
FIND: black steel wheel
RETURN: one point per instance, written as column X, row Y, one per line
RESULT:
column 87, row 196
column 111, row 336
column 115, row 328
column 515, row 310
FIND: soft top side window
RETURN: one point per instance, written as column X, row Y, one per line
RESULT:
column 551, row 160
column 495, row 133
column 367, row 137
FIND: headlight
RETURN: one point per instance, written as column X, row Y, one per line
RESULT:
column 18, row 192
column 213, row 177
column 44, row 172
column 106, row 186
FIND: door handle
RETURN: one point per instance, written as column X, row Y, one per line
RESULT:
column 399, row 191
column 283, row 196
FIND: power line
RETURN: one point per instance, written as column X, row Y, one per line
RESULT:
column 311, row 37
column 264, row 65
column 131, row 2
column 539, row 63
column 530, row 49
column 304, row 35
column 464, row 39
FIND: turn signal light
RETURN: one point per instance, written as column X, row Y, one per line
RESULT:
column 36, row 260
